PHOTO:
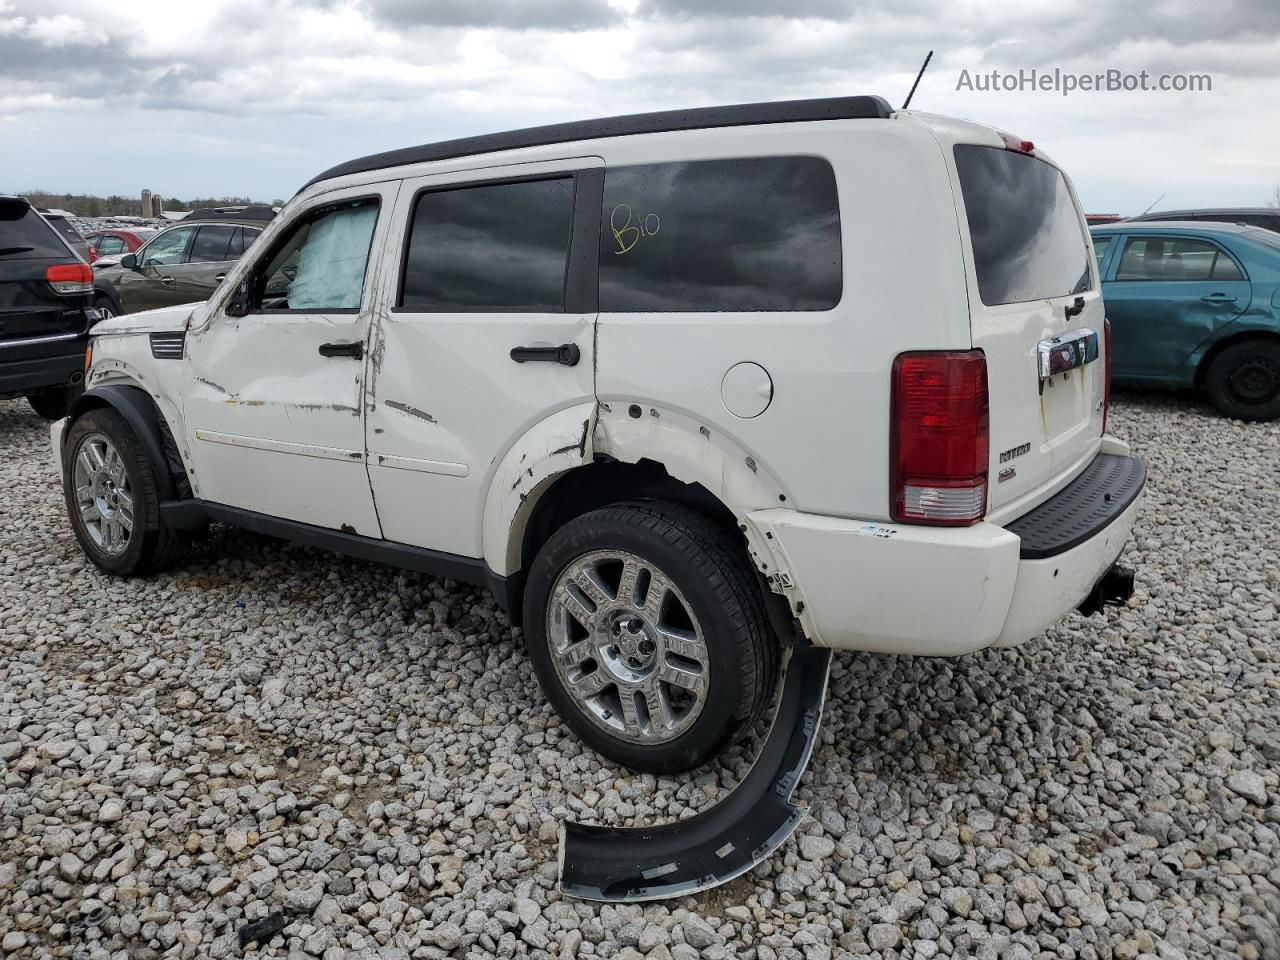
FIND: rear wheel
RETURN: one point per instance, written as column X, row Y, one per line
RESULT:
column 646, row 628
column 110, row 491
column 52, row 404
column 1243, row 381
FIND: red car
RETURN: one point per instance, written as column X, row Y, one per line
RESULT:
column 116, row 243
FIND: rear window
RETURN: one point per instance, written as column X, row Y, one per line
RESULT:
column 1028, row 241
column 748, row 234
column 24, row 235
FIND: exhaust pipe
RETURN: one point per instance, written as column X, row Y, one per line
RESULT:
column 1113, row 590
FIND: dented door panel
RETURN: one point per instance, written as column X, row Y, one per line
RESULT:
column 446, row 400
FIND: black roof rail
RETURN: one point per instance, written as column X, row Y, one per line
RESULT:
column 732, row 115
column 231, row 213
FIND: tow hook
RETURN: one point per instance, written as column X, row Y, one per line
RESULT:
column 1113, row 590
column 628, row 864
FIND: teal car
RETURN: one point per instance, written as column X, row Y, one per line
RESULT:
column 1197, row 305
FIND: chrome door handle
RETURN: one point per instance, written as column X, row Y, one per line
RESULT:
column 166, row 279
column 219, row 278
column 1217, row 298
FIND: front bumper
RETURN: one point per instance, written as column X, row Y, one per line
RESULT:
column 938, row 591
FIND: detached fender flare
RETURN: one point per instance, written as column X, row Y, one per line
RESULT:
column 141, row 413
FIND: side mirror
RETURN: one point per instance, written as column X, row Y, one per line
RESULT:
column 129, row 261
column 238, row 304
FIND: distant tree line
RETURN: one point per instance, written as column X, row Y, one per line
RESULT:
column 89, row 205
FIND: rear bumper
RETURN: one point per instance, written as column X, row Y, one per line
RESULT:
column 23, row 377
column 938, row 591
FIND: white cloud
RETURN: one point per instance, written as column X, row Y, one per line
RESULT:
column 247, row 97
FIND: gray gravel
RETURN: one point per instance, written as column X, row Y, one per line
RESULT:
column 270, row 728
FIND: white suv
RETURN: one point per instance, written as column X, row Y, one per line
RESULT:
column 680, row 388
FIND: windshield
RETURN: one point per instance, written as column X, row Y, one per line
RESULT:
column 1028, row 241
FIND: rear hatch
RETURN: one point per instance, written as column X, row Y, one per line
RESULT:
column 1036, row 313
column 29, row 306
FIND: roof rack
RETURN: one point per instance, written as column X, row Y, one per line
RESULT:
column 733, row 115
column 232, row 213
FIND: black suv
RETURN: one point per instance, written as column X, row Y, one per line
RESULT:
column 46, row 309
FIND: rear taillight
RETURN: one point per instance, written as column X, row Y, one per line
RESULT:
column 939, row 438
column 1106, row 372
column 70, row 278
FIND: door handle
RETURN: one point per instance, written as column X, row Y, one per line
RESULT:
column 1217, row 298
column 219, row 278
column 1075, row 308
column 566, row 354
column 166, row 279
column 354, row 350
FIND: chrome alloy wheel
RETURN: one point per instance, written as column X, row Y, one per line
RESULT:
column 103, row 496
column 627, row 646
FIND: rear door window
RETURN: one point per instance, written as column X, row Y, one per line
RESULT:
column 212, row 244
column 109, row 245
column 1100, row 246
column 1174, row 258
column 1028, row 237
column 24, row 234
column 746, row 234
column 499, row 247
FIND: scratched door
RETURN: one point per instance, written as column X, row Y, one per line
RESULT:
column 487, row 270
column 273, row 399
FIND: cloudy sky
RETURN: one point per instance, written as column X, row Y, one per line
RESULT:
column 253, row 97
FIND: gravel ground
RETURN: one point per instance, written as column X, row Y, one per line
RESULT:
column 270, row 728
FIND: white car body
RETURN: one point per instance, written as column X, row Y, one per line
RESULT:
column 435, row 440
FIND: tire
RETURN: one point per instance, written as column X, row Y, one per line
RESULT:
column 107, row 308
column 696, row 616
column 52, row 404
column 104, row 468
column 1243, row 381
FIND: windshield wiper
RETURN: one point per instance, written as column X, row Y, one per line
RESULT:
column 4, row 250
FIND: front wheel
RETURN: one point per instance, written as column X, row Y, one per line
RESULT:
column 648, row 633
column 111, row 497
column 1243, row 381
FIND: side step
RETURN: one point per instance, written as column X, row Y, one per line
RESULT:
column 629, row 864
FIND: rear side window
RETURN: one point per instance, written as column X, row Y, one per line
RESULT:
column 747, row 234
column 497, row 247
column 24, row 235
column 1174, row 258
column 1028, row 237
column 64, row 227
column 211, row 245
column 106, row 245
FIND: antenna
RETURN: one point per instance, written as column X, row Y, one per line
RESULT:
column 1153, row 203
column 906, row 103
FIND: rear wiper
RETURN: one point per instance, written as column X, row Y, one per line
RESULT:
column 4, row 250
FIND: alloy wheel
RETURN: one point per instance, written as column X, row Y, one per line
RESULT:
column 103, row 495
column 627, row 647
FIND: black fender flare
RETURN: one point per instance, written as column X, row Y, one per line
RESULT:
column 631, row 864
column 143, row 416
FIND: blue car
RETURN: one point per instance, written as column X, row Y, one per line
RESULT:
column 1195, row 304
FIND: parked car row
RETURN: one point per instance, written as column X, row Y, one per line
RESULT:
column 182, row 264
